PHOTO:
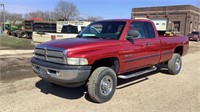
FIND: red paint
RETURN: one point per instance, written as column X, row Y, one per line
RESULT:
column 160, row 49
column 53, row 37
column 36, row 19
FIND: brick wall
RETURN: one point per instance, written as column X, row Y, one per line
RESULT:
column 187, row 15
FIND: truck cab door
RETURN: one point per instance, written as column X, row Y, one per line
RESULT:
column 139, row 49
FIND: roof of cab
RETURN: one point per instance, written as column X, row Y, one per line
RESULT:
column 127, row 20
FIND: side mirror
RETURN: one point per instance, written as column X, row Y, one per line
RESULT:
column 132, row 34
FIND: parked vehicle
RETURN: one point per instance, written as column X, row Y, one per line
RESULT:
column 68, row 31
column 59, row 24
column 10, row 28
column 107, row 50
column 195, row 35
column 33, row 25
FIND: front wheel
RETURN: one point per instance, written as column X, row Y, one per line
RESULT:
column 175, row 64
column 102, row 84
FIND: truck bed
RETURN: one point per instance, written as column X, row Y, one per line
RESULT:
column 44, row 37
column 169, row 43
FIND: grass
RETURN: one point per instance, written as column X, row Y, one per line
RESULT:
column 9, row 42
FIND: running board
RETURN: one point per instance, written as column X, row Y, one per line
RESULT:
column 137, row 73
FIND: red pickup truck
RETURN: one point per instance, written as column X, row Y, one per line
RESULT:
column 107, row 50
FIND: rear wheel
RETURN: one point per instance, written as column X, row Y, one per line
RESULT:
column 9, row 33
column 175, row 64
column 24, row 35
column 102, row 84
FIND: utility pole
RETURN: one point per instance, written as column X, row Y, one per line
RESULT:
column 3, row 15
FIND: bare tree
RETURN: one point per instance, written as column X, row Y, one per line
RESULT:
column 39, row 14
column 12, row 17
column 91, row 18
column 66, row 10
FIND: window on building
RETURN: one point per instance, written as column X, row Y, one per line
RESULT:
column 176, row 25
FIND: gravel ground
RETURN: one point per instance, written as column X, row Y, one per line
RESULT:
column 22, row 91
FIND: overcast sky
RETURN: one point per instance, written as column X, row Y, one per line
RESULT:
column 105, row 8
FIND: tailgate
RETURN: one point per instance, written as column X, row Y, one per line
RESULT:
column 62, row 36
column 41, row 37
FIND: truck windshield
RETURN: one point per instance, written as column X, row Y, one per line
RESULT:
column 103, row 30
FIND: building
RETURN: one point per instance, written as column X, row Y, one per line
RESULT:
column 182, row 18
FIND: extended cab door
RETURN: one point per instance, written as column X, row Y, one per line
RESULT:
column 140, row 50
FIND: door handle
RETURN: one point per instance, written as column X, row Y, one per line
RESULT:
column 147, row 44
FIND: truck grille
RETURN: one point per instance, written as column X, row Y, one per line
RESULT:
column 51, row 55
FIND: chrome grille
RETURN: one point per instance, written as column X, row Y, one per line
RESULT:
column 42, row 57
column 54, row 53
column 50, row 54
column 40, row 51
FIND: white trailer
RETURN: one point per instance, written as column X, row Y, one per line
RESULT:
column 161, row 24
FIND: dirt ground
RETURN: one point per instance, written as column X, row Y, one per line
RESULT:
column 22, row 91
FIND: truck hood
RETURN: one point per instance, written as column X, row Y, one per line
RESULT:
column 73, row 44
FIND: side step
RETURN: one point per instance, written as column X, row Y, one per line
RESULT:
column 137, row 73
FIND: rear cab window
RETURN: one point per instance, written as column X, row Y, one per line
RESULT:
column 69, row 29
column 145, row 29
column 149, row 30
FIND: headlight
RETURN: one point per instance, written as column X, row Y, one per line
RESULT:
column 77, row 61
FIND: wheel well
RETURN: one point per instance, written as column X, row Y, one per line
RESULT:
column 179, row 50
column 112, row 63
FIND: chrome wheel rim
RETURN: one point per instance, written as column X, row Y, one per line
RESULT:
column 177, row 64
column 106, row 85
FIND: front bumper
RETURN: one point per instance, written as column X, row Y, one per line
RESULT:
column 65, row 75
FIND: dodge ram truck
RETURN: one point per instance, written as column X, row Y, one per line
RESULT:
column 105, row 51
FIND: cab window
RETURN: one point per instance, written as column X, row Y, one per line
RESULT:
column 137, row 27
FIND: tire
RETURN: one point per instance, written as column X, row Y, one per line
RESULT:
column 175, row 64
column 18, row 35
column 9, row 33
column 102, row 84
column 24, row 35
